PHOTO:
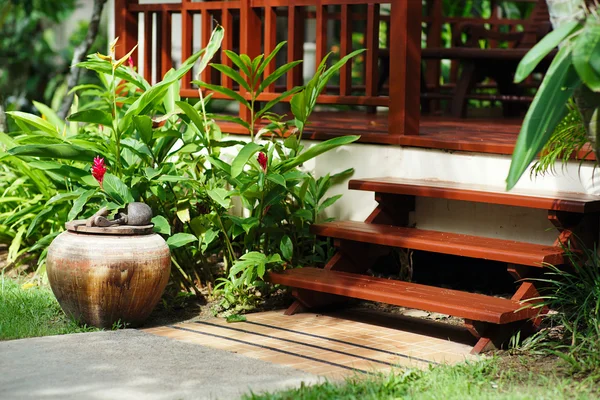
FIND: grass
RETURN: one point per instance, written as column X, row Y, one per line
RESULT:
column 486, row 379
column 29, row 311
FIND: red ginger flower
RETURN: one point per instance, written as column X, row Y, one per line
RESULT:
column 262, row 160
column 98, row 169
column 130, row 62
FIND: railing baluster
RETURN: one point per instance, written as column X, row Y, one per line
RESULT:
column 250, row 31
column 187, row 35
column 345, row 49
column 295, row 43
column 227, row 22
column 372, row 54
column 270, row 33
column 321, row 37
column 206, row 30
column 164, row 62
column 148, row 46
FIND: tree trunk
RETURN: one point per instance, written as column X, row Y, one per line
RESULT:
column 79, row 55
column 588, row 102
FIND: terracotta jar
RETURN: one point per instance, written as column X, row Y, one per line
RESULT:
column 104, row 275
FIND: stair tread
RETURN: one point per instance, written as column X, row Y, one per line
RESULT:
column 508, row 251
column 546, row 200
column 429, row 298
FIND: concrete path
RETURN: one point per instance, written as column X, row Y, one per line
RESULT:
column 129, row 364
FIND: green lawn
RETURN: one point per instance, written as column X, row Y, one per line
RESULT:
column 28, row 311
column 487, row 379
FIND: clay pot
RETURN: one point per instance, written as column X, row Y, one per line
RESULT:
column 100, row 279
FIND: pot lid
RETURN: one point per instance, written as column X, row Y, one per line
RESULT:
column 80, row 226
column 134, row 219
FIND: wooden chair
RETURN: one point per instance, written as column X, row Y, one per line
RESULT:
column 497, row 63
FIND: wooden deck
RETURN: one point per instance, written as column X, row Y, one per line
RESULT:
column 480, row 135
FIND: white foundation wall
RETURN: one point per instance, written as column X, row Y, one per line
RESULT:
column 513, row 223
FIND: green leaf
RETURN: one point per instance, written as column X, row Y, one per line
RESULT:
column 34, row 121
column 154, row 95
column 277, row 100
column 224, row 91
column 329, row 202
column 279, row 72
column 335, row 67
column 92, row 117
column 235, row 318
column 585, row 50
column 61, row 151
column 65, row 196
column 161, row 225
column 214, row 44
column 180, row 239
column 193, row 115
column 117, row 190
column 287, row 247
column 151, row 173
column 41, row 217
column 50, row 115
column 269, row 58
column 543, row 48
column 208, row 237
column 237, row 60
column 80, row 203
column 278, row 179
column 62, row 169
column 143, row 124
column 316, row 150
column 94, row 63
column 237, row 166
column 546, row 111
column 233, row 74
column 221, row 196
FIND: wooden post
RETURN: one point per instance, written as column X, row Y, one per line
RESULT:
column 250, row 32
column 187, row 34
column 295, row 43
column 405, row 67
column 164, row 61
column 126, row 28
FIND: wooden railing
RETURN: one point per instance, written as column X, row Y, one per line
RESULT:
column 256, row 26
column 391, row 31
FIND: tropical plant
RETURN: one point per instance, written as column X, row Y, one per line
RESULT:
column 572, row 329
column 148, row 145
column 280, row 201
column 574, row 70
column 144, row 162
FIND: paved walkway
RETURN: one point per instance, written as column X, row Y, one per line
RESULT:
column 130, row 364
column 198, row 360
column 335, row 345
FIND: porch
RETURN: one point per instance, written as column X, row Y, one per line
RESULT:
column 425, row 47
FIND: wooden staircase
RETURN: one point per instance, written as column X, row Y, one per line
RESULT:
column 490, row 319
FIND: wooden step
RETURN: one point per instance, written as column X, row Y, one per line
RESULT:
column 442, row 242
column 473, row 306
column 558, row 201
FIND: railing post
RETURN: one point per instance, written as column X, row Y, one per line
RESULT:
column 405, row 67
column 126, row 28
column 187, row 35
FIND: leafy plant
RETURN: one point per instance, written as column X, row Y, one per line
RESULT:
column 150, row 145
column 573, row 294
column 567, row 140
column 135, row 128
column 280, row 200
column 577, row 64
